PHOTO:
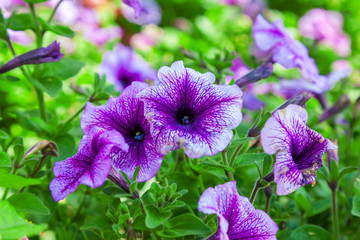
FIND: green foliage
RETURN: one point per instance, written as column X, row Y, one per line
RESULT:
column 8, row 180
column 12, row 226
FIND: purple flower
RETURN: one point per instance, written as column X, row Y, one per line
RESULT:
column 150, row 13
column 136, row 5
column 321, row 85
column 299, row 149
column 237, row 217
column 123, row 66
column 250, row 101
column 272, row 40
column 326, row 27
column 50, row 53
column 90, row 165
column 125, row 115
column 187, row 111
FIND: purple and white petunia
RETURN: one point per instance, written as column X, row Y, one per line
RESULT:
column 135, row 5
column 186, row 110
column 273, row 41
column 125, row 115
column 90, row 165
column 122, row 66
column 237, row 217
column 299, row 149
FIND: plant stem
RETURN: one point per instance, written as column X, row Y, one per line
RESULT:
column 71, row 118
column 54, row 11
column 230, row 175
column 335, row 213
column 39, row 34
column 268, row 200
column 255, row 190
column 235, row 154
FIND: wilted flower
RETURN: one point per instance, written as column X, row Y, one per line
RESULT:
column 50, row 53
column 322, row 84
column 326, row 27
column 90, row 165
column 237, row 217
column 122, row 66
column 342, row 103
column 186, row 110
column 150, row 13
column 299, row 149
column 125, row 115
column 273, row 41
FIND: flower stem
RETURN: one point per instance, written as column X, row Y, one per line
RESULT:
column 230, row 175
column 54, row 11
column 235, row 154
column 255, row 190
column 335, row 213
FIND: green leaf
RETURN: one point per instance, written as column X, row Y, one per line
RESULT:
column 35, row 1
column 63, row 69
column 184, row 225
column 139, row 223
column 3, row 135
column 154, row 217
column 49, row 84
column 356, row 206
column 319, row 206
column 8, row 180
column 310, row 232
column 247, row 159
column 99, row 222
column 4, row 160
column 28, row 203
column 113, row 190
column 123, row 218
column 57, row 29
column 135, row 207
column 235, row 143
column 66, row 146
column 347, row 170
column 3, row 32
column 20, row 22
column 302, row 200
column 267, row 165
column 12, row 226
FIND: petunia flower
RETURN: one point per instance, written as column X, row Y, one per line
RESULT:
column 299, row 149
column 149, row 13
column 135, row 5
column 90, row 165
column 326, row 27
column 186, row 110
column 125, row 115
column 50, row 53
column 321, row 85
column 237, row 217
column 273, row 41
column 122, row 66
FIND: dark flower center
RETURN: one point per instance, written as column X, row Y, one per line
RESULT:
column 126, row 78
column 139, row 136
column 184, row 117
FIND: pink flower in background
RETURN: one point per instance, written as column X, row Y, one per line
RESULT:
column 326, row 27
column 146, row 39
column 86, row 21
column 341, row 64
column 20, row 37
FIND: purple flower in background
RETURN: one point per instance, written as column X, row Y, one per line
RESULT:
column 150, row 13
column 322, row 84
column 136, row 5
column 272, row 40
column 20, row 37
column 186, row 110
column 122, row 66
column 326, row 27
column 250, row 7
column 125, row 115
column 50, row 53
column 90, row 165
column 250, row 101
column 237, row 217
column 299, row 149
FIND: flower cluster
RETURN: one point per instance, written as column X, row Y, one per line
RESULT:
column 185, row 110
